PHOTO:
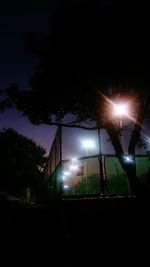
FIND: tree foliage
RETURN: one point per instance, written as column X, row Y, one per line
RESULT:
column 21, row 162
column 90, row 49
column 93, row 55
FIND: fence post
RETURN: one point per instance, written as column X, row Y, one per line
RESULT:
column 101, row 173
column 61, row 162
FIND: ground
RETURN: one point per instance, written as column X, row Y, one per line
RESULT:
column 74, row 232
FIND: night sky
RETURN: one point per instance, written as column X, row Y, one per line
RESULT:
column 17, row 19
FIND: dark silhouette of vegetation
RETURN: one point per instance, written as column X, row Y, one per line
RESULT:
column 93, row 52
column 21, row 164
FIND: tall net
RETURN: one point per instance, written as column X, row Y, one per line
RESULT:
column 83, row 163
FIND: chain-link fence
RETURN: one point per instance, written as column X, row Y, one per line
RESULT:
column 76, row 168
column 54, row 157
column 81, row 176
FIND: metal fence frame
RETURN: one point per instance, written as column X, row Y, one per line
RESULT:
column 55, row 165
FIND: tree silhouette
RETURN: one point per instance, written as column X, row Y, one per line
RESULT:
column 93, row 55
column 21, row 162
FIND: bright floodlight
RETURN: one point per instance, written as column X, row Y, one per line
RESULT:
column 66, row 186
column 121, row 109
column 73, row 160
column 73, row 167
column 65, row 175
column 128, row 159
column 88, row 143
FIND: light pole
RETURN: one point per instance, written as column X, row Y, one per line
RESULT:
column 121, row 110
column 101, row 173
column 87, row 144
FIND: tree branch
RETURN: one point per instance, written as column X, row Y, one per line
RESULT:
column 135, row 136
column 73, row 126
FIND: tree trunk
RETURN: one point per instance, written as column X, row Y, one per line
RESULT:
column 129, row 167
column 127, row 162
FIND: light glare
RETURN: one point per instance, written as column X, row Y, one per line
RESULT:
column 121, row 109
column 66, row 173
column 128, row 159
column 88, row 143
column 73, row 167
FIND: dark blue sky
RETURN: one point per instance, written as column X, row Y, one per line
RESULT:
column 17, row 19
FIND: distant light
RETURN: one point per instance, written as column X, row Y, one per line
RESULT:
column 88, row 143
column 64, row 177
column 128, row 159
column 66, row 173
column 73, row 167
column 66, row 186
column 74, row 160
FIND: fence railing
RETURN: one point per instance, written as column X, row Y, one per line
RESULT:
column 73, row 170
column 82, row 177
